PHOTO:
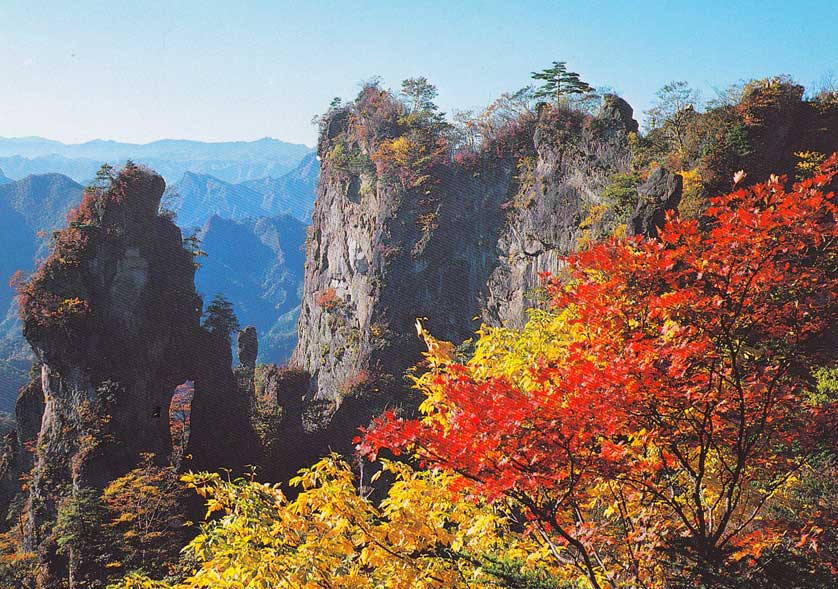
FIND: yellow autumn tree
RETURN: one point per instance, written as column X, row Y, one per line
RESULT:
column 421, row 535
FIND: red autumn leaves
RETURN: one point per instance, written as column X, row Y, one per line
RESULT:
column 676, row 410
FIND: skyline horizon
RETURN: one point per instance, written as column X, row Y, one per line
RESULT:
column 212, row 72
column 638, row 114
column 144, row 143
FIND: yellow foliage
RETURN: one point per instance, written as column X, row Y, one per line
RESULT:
column 590, row 224
column 422, row 535
column 693, row 200
column 809, row 163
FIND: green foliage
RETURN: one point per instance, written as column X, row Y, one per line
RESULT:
column 104, row 177
column 673, row 111
column 420, row 93
column 557, row 82
column 78, row 535
column 169, row 204
column 350, row 158
column 192, row 244
column 621, row 194
column 826, row 390
column 514, row 574
column 266, row 413
column 219, row 317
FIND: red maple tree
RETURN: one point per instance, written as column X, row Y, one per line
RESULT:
column 680, row 410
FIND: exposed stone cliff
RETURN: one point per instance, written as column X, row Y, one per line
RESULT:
column 114, row 320
column 463, row 244
column 571, row 162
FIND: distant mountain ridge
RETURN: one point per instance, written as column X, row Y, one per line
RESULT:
column 164, row 148
column 30, row 209
column 197, row 197
column 258, row 264
column 231, row 161
column 253, row 233
column 43, row 199
column 292, row 193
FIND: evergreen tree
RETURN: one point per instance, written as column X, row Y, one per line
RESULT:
column 219, row 317
column 78, row 535
column 558, row 82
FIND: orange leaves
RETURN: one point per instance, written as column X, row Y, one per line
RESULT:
column 328, row 299
column 409, row 157
column 666, row 383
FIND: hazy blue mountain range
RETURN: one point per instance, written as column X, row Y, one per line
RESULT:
column 253, row 232
column 197, row 197
column 231, row 161
column 291, row 193
column 258, row 264
column 30, row 209
column 43, row 199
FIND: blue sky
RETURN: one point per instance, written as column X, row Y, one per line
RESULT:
column 228, row 70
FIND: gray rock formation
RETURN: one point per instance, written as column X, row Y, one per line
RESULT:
column 660, row 193
column 114, row 320
column 247, row 346
column 568, row 172
column 468, row 244
column 19, row 445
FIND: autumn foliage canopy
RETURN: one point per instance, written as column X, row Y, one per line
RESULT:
column 657, row 419
column 668, row 420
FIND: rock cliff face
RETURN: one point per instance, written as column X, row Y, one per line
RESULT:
column 114, row 320
column 247, row 345
column 660, row 193
column 381, row 254
column 571, row 162
column 467, row 243
column 112, row 316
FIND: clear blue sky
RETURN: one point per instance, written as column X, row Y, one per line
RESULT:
column 225, row 70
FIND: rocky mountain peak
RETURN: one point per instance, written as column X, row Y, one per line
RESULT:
column 114, row 319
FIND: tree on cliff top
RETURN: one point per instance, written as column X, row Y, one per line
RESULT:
column 420, row 93
column 673, row 111
column 219, row 317
column 558, row 82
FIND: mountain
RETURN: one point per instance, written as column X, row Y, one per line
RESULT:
column 112, row 364
column 292, row 193
column 30, row 209
column 265, row 148
column 258, row 264
column 462, row 246
column 231, row 161
column 255, row 254
column 19, row 245
column 197, row 197
column 79, row 169
column 42, row 199
column 4, row 179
